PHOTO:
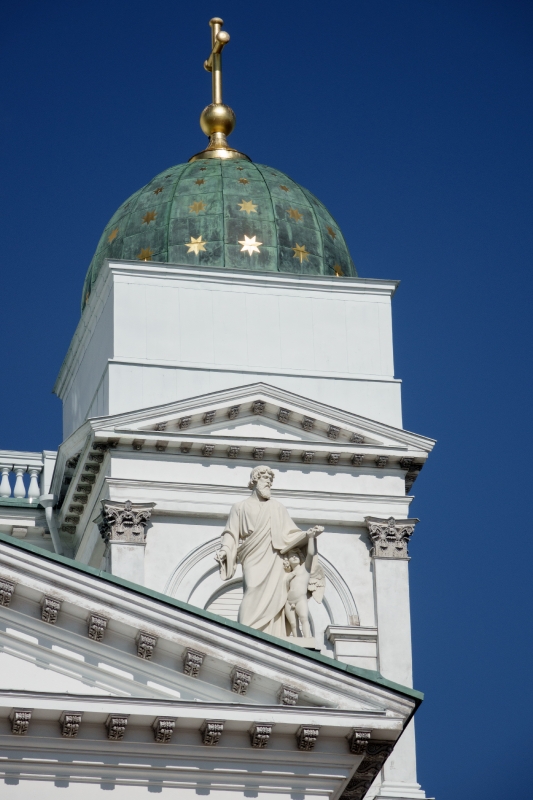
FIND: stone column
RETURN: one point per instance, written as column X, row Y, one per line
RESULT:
column 390, row 558
column 123, row 528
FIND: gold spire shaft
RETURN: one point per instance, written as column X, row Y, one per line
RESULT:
column 217, row 120
column 215, row 58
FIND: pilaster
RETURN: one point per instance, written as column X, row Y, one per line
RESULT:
column 390, row 559
column 123, row 528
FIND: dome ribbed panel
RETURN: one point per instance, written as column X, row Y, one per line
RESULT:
column 218, row 205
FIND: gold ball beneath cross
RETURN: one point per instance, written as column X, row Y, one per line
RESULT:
column 217, row 118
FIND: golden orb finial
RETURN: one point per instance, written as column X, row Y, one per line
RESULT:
column 217, row 120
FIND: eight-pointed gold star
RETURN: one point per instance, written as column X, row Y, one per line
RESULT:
column 300, row 252
column 285, row 188
column 338, row 270
column 250, row 245
column 248, row 206
column 197, row 206
column 158, row 190
column 331, row 231
column 199, row 181
column 195, row 245
column 145, row 254
column 149, row 217
column 243, row 180
column 113, row 235
column 295, row 214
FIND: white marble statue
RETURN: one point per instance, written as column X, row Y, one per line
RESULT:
column 305, row 579
column 260, row 535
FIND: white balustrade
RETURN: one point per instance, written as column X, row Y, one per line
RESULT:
column 20, row 464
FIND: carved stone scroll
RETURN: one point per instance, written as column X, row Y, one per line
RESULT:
column 163, row 728
column 308, row 423
column 192, row 662
column 146, row 643
column 306, row 736
column 260, row 734
column 357, row 438
column 233, row 451
column 376, row 754
column 240, row 680
column 288, row 696
column 308, row 456
column 208, row 450
column 284, row 415
column 96, row 626
column 20, row 721
column 258, row 407
column 116, row 726
column 285, row 455
column 333, row 458
column 382, row 461
column 233, row 412
column 358, row 741
column 184, row 422
column 6, row 592
column 333, row 432
column 258, row 453
column 124, row 522
column 69, row 723
column 211, row 731
column 357, row 459
column 390, row 536
column 209, row 417
column 50, row 609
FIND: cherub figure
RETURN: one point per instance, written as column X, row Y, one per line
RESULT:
column 305, row 579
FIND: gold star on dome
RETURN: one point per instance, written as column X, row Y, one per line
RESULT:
column 241, row 169
column 295, row 214
column 145, row 254
column 199, row 181
column 158, row 190
column 203, row 169
column 112, row 236
column 195, row 245
column 250, row 245
column 149, row 217
column 285, row 188
column 243, row 180
column 338, row 270
column 197, row 206
column 300, row 252
column 248, row 206
column 331, row 231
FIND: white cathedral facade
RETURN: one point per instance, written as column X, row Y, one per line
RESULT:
column 125, row 663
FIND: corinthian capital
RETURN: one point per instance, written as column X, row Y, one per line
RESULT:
column 390, row 536
column 124, row 522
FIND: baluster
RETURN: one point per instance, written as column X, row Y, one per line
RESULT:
column 20, row 489
column 5, row 486
column 34, row 491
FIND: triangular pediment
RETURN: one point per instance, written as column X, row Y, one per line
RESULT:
column 151, row 646
column 261, row 411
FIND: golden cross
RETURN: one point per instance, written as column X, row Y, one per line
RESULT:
column 219, row 38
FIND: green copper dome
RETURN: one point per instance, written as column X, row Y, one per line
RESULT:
column 225, row 213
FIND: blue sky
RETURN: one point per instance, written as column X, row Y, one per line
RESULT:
column 412, row 121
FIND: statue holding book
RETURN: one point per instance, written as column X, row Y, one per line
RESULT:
column 281, row 570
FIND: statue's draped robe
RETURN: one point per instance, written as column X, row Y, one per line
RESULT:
column 255, row 533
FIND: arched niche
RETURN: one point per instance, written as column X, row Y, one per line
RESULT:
column 196, row 580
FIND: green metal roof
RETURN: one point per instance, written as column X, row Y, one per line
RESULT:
column 205, row 212
column 366, row 674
